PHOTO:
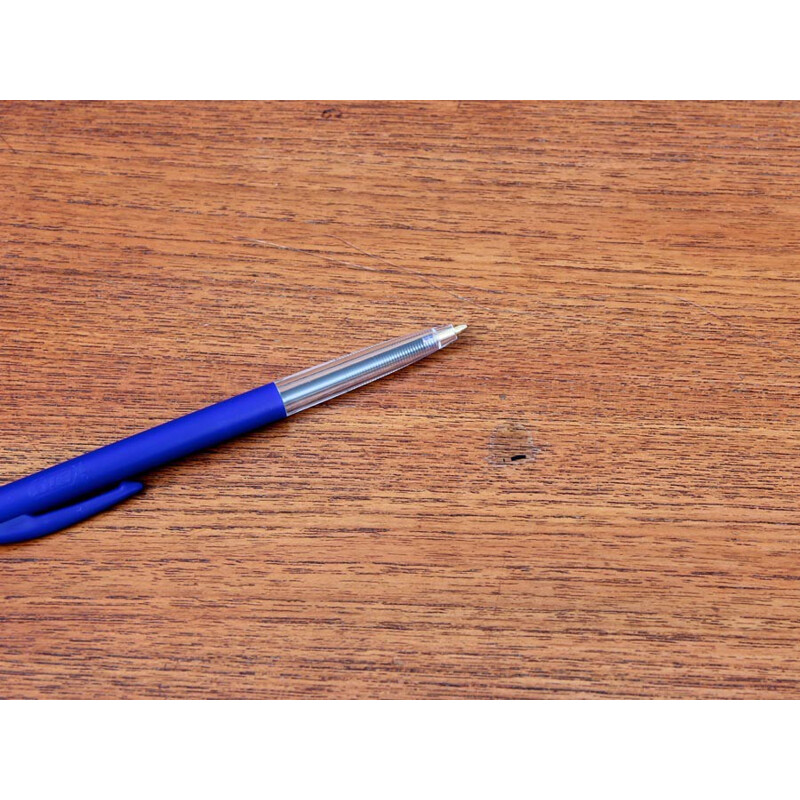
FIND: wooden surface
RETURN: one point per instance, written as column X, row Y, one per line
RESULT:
column 593, row 494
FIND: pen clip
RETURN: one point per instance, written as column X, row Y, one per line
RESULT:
column 31, row 526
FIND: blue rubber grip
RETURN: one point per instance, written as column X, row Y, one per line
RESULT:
column 74, row 482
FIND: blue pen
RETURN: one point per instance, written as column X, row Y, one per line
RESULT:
column 60, row 496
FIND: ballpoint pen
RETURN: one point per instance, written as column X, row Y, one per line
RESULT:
column 60, row 496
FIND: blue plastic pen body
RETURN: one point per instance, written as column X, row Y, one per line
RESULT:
column 106, row 467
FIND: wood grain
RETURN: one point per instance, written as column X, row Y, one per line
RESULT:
column 629, row 274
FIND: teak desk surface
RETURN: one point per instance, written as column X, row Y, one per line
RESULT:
column 594, row 494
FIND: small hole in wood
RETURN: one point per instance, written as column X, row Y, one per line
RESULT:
column 518, row 458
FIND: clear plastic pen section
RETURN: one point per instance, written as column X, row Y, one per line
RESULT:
column 318, row 384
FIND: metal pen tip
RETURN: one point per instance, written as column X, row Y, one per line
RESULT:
column 459, row 328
